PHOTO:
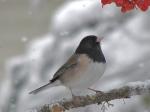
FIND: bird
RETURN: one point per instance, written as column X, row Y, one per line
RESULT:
column 83, row 69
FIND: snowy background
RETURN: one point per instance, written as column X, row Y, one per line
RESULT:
column 126, row 46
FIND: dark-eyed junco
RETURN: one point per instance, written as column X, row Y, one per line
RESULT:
column 83, row 69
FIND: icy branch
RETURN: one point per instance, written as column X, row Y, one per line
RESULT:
column 134, row 88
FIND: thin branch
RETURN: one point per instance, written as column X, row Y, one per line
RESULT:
column 134, row 88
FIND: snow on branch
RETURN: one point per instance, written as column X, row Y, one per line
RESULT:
column 131, row 89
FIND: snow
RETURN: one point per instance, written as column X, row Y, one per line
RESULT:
column 24, row 39
column 139, row 87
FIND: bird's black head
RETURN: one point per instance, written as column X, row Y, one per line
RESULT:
column 90, row 45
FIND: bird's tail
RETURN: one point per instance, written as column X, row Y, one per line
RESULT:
column 41, row 88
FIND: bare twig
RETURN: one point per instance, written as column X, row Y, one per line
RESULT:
column 134, row 88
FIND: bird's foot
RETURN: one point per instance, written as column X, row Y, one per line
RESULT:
column 102, row 94
column 97, row 91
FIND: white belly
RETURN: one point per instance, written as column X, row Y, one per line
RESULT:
column 89, row 77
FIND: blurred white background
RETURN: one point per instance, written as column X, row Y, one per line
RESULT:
column 37, row 36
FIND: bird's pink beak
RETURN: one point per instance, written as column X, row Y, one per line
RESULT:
column 99, row 39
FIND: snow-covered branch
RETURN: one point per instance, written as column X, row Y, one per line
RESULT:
column 131, row 89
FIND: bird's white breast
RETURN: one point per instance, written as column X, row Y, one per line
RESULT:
column 88, row 77
column 92, row 75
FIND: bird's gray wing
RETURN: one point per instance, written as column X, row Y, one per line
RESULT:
column 72, row 62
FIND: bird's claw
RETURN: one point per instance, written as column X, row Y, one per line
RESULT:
column 97, row 91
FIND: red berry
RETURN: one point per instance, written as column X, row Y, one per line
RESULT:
column 143, row 4
column 104, row 2
column 119, row 2
column 127, row 6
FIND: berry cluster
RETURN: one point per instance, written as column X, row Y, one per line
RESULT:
column 127, row 5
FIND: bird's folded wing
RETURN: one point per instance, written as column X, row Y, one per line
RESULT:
column 72, row 62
